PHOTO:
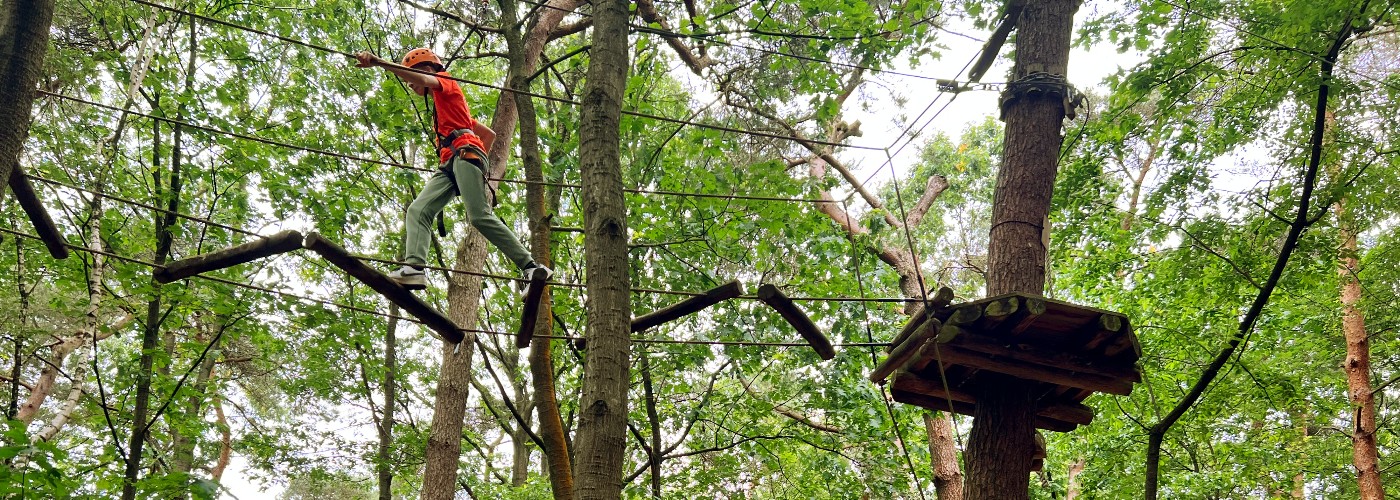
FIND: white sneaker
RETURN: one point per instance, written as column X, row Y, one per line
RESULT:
column 409, row 277
column 530, row 272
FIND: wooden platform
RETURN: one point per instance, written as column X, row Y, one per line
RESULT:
column 1074, row 351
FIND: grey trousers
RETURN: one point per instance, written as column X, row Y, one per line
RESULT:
column 435, row 196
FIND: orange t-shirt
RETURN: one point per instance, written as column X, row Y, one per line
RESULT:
column 453, row 113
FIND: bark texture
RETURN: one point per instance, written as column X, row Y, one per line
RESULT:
column 1000, row 447
column 24, row 37
column 602, row 429
column 551, row 424
column 384, row 456
column 947, row 477
column 444, row 447
column 1364, row 455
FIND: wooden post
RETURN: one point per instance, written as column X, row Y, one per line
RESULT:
column 688, row 306
column 770, row 295
column 43, row 224
column 530, row 312
column 923, row 311
column 381, row 283
column 279, row 243
column 906, row 350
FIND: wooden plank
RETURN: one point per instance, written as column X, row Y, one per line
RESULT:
column 905, row 351
column 279, row 243
column 1016, row 365
column 998, row 311
column 38, row 215
column 770, row 295
column 530, row 313
column 688, row 306
column 1102, row 330
column 1032, row 308
column 381, row 283
column 935, row 306
column 911, row 389
column 1127, row 343
column 1048, row 358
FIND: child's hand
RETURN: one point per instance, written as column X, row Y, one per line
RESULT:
column 364, row 59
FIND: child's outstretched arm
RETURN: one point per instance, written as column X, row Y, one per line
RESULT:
column 368, row 60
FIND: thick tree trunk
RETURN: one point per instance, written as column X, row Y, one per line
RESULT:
column 384, row 459
column 444, row 448
column 947, row 476
column 24, row 37
column 1357, row 366
column 1002, row 441
column 602, row 429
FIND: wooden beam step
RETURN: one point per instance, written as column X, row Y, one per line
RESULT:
column 770, row 295
column 381, row 283
column 906, row 351
column 38, row 215
column 688, row 306
column 279, row 243
column 530, row 313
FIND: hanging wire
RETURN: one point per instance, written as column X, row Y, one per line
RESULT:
column 498, row 87
column 899, row 434
column 410, row 167
column 347, row 307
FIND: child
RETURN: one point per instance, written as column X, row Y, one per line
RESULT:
column 462, row 151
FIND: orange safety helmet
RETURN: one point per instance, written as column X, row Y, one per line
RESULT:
column 421, row 55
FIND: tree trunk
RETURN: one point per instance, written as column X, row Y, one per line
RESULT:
column 1357, row 366
column 150, row 337
column 1072, row 488
column 444, row 448
column 24, row 37
column 947, row 477
column 551, row 426
column 654, row 421
column 225, row 442
column 602, row 428
column 1002, row 441
column 384, row 460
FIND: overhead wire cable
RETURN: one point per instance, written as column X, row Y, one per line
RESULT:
column 349, row 157
column 498, row 87
column 348, row 307
column 905, row 132
column 426, row 266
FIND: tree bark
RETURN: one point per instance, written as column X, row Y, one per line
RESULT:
column 384, row 459
column 444, row 448
column 1364, row 455
column 602, row 428
column 551, row 425
column 654, row 423
column 1072, row 478
column 24, row 37
column 947, row 477
column 150, row 337
column 1000, row 447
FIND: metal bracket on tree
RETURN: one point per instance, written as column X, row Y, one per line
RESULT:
column 1042, row 85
